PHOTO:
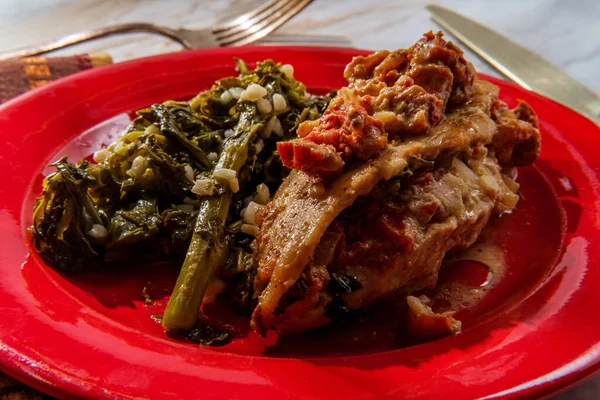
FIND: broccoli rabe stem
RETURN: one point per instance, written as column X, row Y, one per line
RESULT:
column 209, row 245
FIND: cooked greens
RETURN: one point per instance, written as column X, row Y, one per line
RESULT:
column 174, row 184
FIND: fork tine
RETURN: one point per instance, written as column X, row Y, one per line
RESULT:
column 260, row 30
column 244, row 18
column 278, row 9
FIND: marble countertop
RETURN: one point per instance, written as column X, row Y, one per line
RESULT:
column 567, row 33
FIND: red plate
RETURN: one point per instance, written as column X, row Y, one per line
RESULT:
column 92, row 335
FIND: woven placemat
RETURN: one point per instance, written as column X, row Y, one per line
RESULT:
column 21, row 75
column 11, row 389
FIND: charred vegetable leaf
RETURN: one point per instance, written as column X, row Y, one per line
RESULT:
column 172, row 126
column 177, row 227
column 64, row 215
column 342, row 283
column 129, row 226
column 296, row 293
column 207, row 335
column 337, row 311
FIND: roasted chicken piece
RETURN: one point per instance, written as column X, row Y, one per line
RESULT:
column 402, row 168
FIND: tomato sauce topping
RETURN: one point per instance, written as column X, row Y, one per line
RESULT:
column 344, row 132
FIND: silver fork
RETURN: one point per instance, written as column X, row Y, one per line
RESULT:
column 243, row 30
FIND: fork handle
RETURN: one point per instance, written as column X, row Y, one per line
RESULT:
column 70, row 40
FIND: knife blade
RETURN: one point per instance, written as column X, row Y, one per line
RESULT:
column 519, row 64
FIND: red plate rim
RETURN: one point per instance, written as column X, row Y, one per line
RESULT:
column 373, row 375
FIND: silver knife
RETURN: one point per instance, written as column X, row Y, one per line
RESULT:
column 519, row 64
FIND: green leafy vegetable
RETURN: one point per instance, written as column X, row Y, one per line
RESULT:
column 207, row 335
column 64, row 215
column 137, row 202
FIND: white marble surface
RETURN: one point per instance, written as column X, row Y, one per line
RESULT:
column 565, row 32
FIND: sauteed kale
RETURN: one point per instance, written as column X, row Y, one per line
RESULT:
column 177, row 183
